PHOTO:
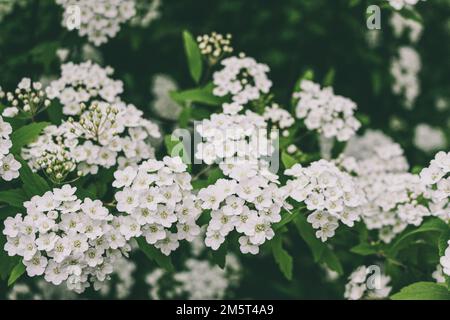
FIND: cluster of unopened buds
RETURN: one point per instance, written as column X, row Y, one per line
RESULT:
column 102, row 136
column 97, row 122
column 214, row 46
column 57, row 164
column 28, row 99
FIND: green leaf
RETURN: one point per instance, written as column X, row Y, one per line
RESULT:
column 307, row 75
column 219, row 256
column 26, row 135
column 194, row 57
column 423, row 291
column 443, row 242
column 282, row 257
column 286, row 218
column 442, row 246
column 16, row 273
column 433, row 225
column 155, row 255
column 13, row 197
column 321, row 252
column 185, row 116
column 54, row 112
column 175, row 148
column 329, row 78
column 364, row 249
column 199, row 184
column 33, row 184
column 7, row 263
column 8, row 211
column 214, row 175
column 411, row 13
column 288, row 160
column 203, row 95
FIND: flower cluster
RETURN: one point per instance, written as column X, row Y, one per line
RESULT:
column 243, row 78
column 400, row 24
column 84, row 83
column 325, row 112
column 229, row 135
column 394, row 197
column 99, row 20
column 363, row 285
column 248, row 204
column 400, row 4
column 428, row 138
column 214, row 46
column 279, row 117
column 437, row 177
column 40, row 290
column 373, row 153
column 157, row 199
column 123, row 273
column 66, row 239
column 102, row 136
column 392, row 203
column 9, row 167
column 249, row 199
column 199, row 279
column 146, row 12
column 404, row 70
column 28, row 99
column 163, row 104
column 445, row 260
column 329, row 193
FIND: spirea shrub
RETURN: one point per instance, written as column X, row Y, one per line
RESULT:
column 218, row 175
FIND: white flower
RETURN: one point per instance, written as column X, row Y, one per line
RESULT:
column 214, row 239
column 429, row 139
column 329, row 114
column 372, row 153
column 66, row 193
column 168, row 244
column 95, row 210
column 331, row 194
column 399, row 4
column 100, row 20
column 361, row 286
column 65, row 238
column 9, row 167
column 123, row 178
column 405, row 69
column 400, row 24
column 243, row 78
column 102, row 135
column 198, row 278
column 156, row 196
column 445, row 260
column 163, row 104
column 282, row 118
